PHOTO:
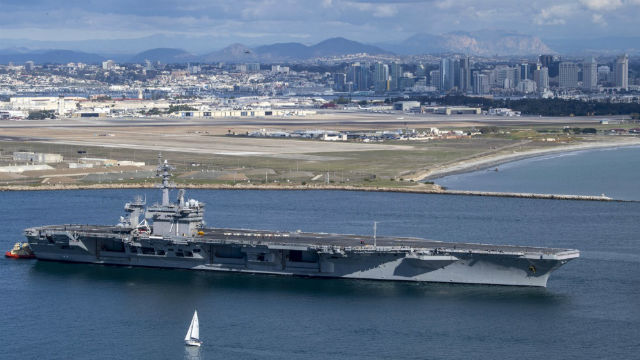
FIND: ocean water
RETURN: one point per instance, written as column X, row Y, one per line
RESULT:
column 590, row 309
column 614, row 172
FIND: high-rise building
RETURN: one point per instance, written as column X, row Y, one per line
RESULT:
column 339, row 81
column 545, row 60
column 359, row 76
column 551, row 62
column 568, row 75
column 505, row 76
column 381, row 77
column 395, row 73
column 434, row 76
column 407, row 80
column 352, row 74
column 445, row 70
column 524, row 71
column 590, row 74
column 541, row 77
column 447, row 74
column 465, row 75
column 622, row 72
column 456, row 73
column 526, row 86
column 364, row 79
column 604, row 74
column 480, row 83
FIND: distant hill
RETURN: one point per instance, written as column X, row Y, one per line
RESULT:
column 341, row 46
column 597, row 46
column 281, row 51
column 164, row 55
column 484, row 43
column 231, row 53
column 19, row 56
column 291, row 51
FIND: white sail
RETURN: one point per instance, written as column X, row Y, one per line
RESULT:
column 194, row 328
column 195, row 331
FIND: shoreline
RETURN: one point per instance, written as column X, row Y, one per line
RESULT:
column 417, row 189
column 489, row 161
column 420, row 187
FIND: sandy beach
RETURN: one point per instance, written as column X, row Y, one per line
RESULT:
column 492, row 160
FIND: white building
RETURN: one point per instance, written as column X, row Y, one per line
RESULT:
column 334, row 137
column 108, row 65
column 541, row 77
column 622, row 72
column 526, row 86
column 61, row 105
column 480, row 84
column 36, row 158
column 13, row 114
column 503, row 112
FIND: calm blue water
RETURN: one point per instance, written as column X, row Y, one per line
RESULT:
column 591, row 308
column 614, row 172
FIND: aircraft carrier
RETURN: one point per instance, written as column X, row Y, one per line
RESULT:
column 173, row 235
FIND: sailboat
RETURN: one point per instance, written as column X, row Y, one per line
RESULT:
column 193, row 334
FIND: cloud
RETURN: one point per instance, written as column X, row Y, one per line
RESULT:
column 602, row 5
column 598, row 19
column 555, row 15
column 264, row 21
column 377, row 9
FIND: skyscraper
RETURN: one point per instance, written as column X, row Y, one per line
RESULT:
column 465, row 75
column 364, row 80
column 339, row 81
column 353, row 74
column 435, row 77
column 395, row 73
column 524, row 71
column 551, row 62
column 359, row 75
column 622, row 72
column 568, row 75
column 604, row 74
column 590, row 74
column 447, row 74
column 541, row 77
column 380, row 77
column 505, row 76
column 480, row 83
column 545, row 60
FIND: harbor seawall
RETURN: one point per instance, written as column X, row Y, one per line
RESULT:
column 418, row 189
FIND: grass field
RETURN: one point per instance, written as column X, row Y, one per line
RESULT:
column 285, row 161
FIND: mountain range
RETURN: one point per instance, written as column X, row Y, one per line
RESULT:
column 282, row 52
column 481, row 43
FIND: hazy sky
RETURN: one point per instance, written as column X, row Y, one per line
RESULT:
column 266, row 21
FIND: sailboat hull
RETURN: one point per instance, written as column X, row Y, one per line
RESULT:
column 193, row 342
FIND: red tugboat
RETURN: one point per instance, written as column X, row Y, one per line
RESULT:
column 20, row 251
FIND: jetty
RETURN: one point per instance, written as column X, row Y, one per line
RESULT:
column 417, row 189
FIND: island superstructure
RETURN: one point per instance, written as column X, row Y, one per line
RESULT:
column 174, row 235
